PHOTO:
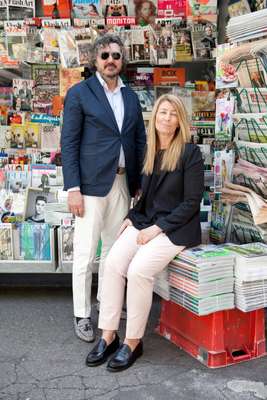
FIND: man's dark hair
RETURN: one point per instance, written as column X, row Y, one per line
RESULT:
column 104, row 41
column 43, row 198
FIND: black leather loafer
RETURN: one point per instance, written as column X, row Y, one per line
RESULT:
column 124, row 357
column 101, row 352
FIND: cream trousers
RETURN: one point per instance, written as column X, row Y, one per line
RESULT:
column 139, row 264
column 102, row 219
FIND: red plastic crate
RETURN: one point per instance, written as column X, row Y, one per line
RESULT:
column 217, row 340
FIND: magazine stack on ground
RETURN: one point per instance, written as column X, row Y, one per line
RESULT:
column 250, row 275
column 201, row 279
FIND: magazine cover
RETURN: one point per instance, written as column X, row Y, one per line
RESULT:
column 139, row 42
column 16, row 39
column 84, row 39
column 43, row 99
column 50, row 46
column 50, row 137
column 86, row 9
column 32, row 135
column 22, row 94
column 183, row 44
column 115, row 8
column 226, row 73
column 203, row 105
column 6, row 96
column 171, row 8
column 140, row 76
column 146, row 96
column 17, row 181
column 17, row 136
column 55, row 9
column 67, row 49
column 67, row 232
column 68, row 77
column 224, row 118
column 6, row 242
column 197, row 8
column 3, row 114
column 144, row 11
column 21, row 9
column 167, row 76
column 43, row 175
column 204, row 40
column 238, row 7
column 161, row 45
column 46, row 75
column 36, row 199
column 35, row 242
column 3, row 10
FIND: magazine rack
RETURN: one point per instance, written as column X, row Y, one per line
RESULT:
column 255, row 153
column 242, row 179
column 250, row 100
column 217, row 340
column 255, row 128
column 251, row 73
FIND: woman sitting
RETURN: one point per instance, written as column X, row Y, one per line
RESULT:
column 165, row 220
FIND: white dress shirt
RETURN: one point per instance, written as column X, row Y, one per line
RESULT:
column 116, row 103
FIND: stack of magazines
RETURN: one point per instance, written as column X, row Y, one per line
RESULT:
column 202, row 278
column 250, row 275
column 247, row 27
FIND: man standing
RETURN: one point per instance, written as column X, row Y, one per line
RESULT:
column 103, row 139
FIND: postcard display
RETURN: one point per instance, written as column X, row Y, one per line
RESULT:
column 47, row 46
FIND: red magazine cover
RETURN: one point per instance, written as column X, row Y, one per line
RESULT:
column 56, row 8
column 171, row 8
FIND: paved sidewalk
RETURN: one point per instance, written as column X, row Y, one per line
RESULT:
column 41, row 359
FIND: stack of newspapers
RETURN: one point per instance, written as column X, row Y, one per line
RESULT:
column 247, row 27
column 201, row 279
column 250, row 275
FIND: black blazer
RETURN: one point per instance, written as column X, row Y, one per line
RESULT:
column 177, row 199
column 91, row 140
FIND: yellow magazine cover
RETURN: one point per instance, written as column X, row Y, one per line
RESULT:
column 17, row 136
column 32, row 135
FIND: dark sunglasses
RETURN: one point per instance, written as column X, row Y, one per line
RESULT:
column 115, row 55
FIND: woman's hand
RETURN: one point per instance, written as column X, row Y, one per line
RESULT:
column 145, row 235
column 126, row 222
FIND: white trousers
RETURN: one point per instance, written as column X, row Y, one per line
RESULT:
column 102, row 218
column 139, row 263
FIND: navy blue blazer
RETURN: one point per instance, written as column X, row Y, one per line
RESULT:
column 91, row 140
column 177, row 199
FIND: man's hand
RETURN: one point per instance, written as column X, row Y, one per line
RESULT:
column 126, row 222
column 76, row 203
column 145, row 235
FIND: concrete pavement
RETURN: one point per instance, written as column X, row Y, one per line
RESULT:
column 41, row 359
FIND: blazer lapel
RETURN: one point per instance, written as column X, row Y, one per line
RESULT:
column 127, row 107
column 99, row 92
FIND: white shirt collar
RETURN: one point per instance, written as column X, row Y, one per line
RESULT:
column 105, row 86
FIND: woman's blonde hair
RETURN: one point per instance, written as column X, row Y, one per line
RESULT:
column 173, row 154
